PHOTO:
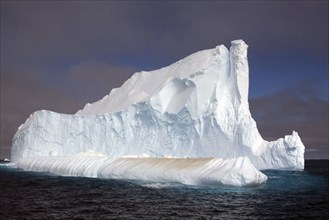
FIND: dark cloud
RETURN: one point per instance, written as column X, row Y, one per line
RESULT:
column 85, row 28
column 93, row 79
column 296, row 108
column 22, row 96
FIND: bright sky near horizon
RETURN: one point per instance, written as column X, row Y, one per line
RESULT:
column 58, row 55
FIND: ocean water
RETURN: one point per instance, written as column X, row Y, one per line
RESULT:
column 286, row 195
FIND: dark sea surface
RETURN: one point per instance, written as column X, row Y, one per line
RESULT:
column 286, row 195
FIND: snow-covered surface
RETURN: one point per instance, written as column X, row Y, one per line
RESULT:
column 199, row 171
column 195, row 108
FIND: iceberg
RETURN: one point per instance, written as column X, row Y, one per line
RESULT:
column 195, row 108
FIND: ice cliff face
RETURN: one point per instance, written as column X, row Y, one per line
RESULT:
column 196, row 107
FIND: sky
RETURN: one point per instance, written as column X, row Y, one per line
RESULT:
column 59, row 55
